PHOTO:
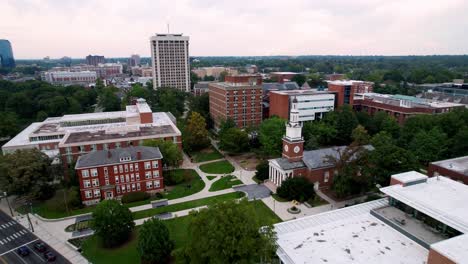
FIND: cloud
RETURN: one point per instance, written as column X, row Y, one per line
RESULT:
column 57, row 28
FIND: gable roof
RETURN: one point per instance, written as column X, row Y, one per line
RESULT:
column 102, row 157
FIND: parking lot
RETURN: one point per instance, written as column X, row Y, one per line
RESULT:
column 14, row 236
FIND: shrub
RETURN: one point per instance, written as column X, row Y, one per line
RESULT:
column 298, row 188
column 173, row 178
column 262, row 171
column 134, row 197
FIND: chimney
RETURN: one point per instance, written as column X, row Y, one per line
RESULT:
column 109, row 154
column 138, row 155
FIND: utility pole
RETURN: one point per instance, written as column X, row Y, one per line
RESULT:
column 29, row 219
column 8, row 202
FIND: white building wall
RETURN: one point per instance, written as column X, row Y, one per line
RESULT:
column 309, row 105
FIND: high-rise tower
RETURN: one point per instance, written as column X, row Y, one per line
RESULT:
column 6, row 54
column 293, row 143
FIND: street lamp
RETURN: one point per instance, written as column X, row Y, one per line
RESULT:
column 8, row 202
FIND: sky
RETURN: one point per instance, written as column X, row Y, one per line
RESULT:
column 119, row 28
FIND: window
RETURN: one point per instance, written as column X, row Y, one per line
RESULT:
column 155, row 164
column 132, row 177
column 105, row 146
column 94, row 172
column 137, row 176
column 128, row 187
column 147, row 165
column 85, row 173
column 88, row 194
column 87, row 183
column 93, row 147
column 106, row 172
column 122, row 179
column 133, row 187
column 131, row 167
column 126, row 168
column 136, row 166
column 138, row 186
column 147, row 174
column 155, row 174
column 149, row 185
column 326, row 176
column 118, row 189
column 156, row 184
column 120, row 168
column 116, row 179
column 95, row 182
column 127, row 178
column 117, row 145
column 97, row 193
column 115, row 170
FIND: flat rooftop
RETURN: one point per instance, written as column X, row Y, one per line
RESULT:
column 345, row 82
column 300, row 92
column 439, row 197
column 234, row 86
column 348, row 235
column 409, row 176
column 459, row 165
column 455, row 248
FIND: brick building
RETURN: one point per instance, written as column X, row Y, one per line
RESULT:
column 312, row 105
column 400, row 107
column 67, row 77
column 295, row 162
column 238, row 98
column 346, row 89
column 108, row 174
column 282, row 77
column 95, row 60
column 455, row 169
column 66, row 138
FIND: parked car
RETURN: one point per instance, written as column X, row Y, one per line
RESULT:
column 40, row 247
column 23, row 251
column 49, row 256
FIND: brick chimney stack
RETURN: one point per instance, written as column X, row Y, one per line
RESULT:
column 109, row 154
column 138, row 155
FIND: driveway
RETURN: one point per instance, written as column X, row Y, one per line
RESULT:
column 254, row 191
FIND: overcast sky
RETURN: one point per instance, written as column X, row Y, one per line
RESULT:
column 76, row 28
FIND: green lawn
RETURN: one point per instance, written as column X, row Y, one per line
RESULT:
column 185, row 188
column 187, row 205
column 206, row 155
column 178, row 229
column 217, row 167
column 210, row 177
column 224, row 183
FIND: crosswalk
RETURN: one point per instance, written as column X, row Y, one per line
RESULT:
column 8, row 224
column 12, row 237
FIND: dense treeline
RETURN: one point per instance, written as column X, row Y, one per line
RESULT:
column 26, row 102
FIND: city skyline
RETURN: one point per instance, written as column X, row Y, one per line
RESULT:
column 245, row 28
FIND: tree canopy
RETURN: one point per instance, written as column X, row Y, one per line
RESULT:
column 195, row 135
column 270, row 135
column 154, row 243
column 172, row 155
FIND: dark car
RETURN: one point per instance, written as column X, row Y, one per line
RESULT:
column 49, row 256
column 40, row 247
column 23, row 251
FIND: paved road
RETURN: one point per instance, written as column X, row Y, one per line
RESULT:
column 13, row 236
column 254, row 191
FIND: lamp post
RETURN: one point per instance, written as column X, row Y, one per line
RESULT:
column 8, row 202
column 29, row 219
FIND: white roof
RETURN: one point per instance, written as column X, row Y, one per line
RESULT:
column 344, row 82
column 459, row 164
column 409, row 176
column 348, row 235
column 439, row 197
column 455, row 248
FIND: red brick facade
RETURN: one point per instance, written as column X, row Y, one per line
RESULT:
column 345, row 91
column 437, row 258
column 279, row 105
column 435, row 170
column 114, row 180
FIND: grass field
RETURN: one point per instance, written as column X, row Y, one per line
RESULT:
column 210, row 177
column 224, row 183
column 182, row 189
column 178, row 229
column 217, row 167
column 206, row 155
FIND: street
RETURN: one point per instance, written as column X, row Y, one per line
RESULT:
column 14, row 236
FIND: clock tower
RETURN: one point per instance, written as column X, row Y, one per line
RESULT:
column 293, row 143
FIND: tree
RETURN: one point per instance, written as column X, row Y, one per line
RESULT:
column 299, row 79
column 196, row 135
column 229, row 232
column 172, row 155
column 459, row 143
column 319, row 134
column 346, row 121
column 262, row 172
column 154, row 243
column 8, row 124
column 296, row 188
column 270, row 134
column 222, row 76
column 112, row 223
column 429, row 146
column 108, row 100
column 360, row 136
column 25, row 172
column 234, row 140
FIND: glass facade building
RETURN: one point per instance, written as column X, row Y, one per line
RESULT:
column 6, row 54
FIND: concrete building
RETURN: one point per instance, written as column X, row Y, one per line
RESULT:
column 109, row 174
column 201, row 88
column 68, row 137
column 335, row 77
column 6, row 54
column 134, row 60
column 312, row 105
column 103, row 70
column 400, row 107
column 238, row 98
column 95, row 60
column 422, row 221
column 170, row 61
column 346, row 89
column 455, row 169
column 142, row 71
column 214, row 71
column 295, row 162
column 68, row 78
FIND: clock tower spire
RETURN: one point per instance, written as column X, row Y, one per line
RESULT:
column 293, row 143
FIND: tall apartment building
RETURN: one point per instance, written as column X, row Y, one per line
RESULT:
column 238, row 98
column 421, row 220
column 311, row 105
column 108, row 174
column 134, row 60
column 67, row 77
column 68, row 137
column 346, row 89
column 95, row 60
column 6, row 54
column 170, row 61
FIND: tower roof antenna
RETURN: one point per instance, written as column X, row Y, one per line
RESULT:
column 167, row 27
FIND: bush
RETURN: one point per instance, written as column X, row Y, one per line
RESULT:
column 173, row 178
column 134, row 197
column 299, row 189
column 262, row 171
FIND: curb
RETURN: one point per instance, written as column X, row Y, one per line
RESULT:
column 59, row 219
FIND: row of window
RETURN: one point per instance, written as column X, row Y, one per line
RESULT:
column 132, row 177
column 120, row 169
